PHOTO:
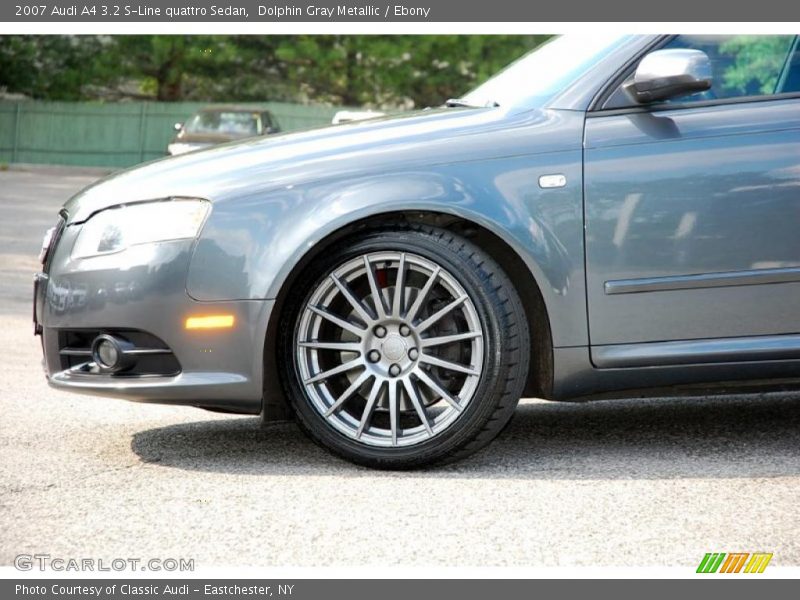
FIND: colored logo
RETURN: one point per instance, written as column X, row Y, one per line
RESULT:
column 734, row 562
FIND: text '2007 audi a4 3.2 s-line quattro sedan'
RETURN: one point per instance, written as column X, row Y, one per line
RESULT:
column 608, row 216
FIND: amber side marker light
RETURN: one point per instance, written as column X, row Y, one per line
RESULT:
column 210, row 322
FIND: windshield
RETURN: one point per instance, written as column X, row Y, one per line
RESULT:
column 227, row 123
column 542, row 73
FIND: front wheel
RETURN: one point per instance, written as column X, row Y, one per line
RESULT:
column 404, row 348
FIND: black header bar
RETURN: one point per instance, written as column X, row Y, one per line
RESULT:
column 435, row 11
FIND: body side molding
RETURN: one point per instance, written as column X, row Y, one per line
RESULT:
column 703, row 280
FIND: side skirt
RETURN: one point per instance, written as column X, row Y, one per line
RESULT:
column 576, row 378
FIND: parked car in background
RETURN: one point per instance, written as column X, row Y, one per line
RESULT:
column 219, row 124
column 608, row 216
column 345, row 116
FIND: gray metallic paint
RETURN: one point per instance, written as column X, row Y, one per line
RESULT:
column 692, row 191
column 275, row 200
column 145, row 290
column 271, row 207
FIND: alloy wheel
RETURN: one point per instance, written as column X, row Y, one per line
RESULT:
column 390, row 349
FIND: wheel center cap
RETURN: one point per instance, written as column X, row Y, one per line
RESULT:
column 393, row 347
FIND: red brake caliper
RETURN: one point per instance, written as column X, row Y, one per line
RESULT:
column 382, row 277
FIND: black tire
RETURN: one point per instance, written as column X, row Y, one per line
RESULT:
column 505, row 358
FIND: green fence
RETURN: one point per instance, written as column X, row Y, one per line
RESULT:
column 112, row 134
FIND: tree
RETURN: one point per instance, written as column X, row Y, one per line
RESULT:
column 165, row 64
column 378, row 71
column 385, row 70
column 55, row 67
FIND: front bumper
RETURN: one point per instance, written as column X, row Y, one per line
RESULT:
column 142, row 292
column 177, row 148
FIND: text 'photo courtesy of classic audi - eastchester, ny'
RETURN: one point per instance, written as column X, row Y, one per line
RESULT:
column 609, row 216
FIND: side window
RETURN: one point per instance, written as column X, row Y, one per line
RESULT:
column 742, row 65
column 790, row 79
column 273, row 122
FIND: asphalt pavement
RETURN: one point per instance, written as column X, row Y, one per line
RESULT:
column 625, row 483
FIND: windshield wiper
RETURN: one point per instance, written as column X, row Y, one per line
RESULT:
column 460, row 102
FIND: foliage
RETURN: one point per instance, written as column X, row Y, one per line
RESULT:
column 758, row 62
column 380, row 71
column 55, row 67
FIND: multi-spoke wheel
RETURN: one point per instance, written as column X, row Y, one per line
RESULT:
column 396, row 331
column 404, row 346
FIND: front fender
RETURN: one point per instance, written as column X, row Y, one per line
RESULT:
column 251, row 244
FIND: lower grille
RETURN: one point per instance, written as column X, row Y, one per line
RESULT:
column 152, row 355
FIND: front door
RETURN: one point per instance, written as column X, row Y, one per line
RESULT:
column 693, row 212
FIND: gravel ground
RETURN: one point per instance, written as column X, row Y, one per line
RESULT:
column 627, row 483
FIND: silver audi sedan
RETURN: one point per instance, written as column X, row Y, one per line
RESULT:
column 608, row 216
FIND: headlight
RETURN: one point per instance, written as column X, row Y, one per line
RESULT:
column 115, row 229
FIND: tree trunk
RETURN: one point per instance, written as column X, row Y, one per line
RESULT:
column 170, row 89
column 170, row 75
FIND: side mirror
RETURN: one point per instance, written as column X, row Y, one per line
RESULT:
column 665, row 74
column 177, row 126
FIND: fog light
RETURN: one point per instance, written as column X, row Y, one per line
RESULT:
column 109, row 353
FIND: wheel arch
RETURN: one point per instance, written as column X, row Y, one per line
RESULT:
column 539, row 381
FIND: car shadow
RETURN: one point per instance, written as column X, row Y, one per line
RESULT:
column 723, row 437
